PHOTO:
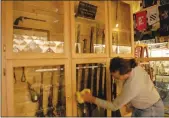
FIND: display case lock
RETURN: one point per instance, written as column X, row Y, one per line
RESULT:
column 4, row 48
column 4, row 71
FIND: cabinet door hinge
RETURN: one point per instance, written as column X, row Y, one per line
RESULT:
column 4, row 48
column 4, row 71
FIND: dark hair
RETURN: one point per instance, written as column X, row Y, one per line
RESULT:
column 122, row 65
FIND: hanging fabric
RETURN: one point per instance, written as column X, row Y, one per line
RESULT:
column 152, row 15
column 148, row 3
column 141, row 21
column 164, row 20
column 164, row 2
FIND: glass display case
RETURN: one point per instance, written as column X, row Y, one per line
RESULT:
column 90, row 31
column 157, row 48
column 93, row 77
column 121, row 31
column 38, row 27
column 90, row 74
column 38, row 88
column 39, row 91
column 161, row 80
column 90, row 26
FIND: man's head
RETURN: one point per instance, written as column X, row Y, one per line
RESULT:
column 120, row 68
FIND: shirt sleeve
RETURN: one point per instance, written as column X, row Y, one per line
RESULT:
column 130, row 90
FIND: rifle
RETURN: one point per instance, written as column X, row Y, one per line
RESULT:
column 89, row 79
column 105, row 90
column 94, row 90
column 101, row 91
column 78, row 88
column 114, row 94
column 78, row 38
column 50, row 112
column 20, row 18
column 33, row 93
column 40, row 113
column 95, row 112
column 101, row 88
column 84, row 106
column 103, row 40
column 60, row 107
column 102, row 82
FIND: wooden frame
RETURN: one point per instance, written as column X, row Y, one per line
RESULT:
column 153, row 59
column 112, row 54
column 3, row 82
column 88, row 55
column 28, row 55
column 18, row 63
column 87, row 61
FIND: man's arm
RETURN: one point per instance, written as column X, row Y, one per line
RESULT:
column 130, row 91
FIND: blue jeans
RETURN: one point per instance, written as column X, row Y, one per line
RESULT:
column 156, row 110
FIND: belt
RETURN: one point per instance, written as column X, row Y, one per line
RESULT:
column 151, row 105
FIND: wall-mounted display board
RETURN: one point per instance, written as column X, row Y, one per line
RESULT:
column 36, row 29
column 38, row 88
column 121, row 28
column 89, row 20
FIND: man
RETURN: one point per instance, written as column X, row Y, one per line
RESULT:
column 138, row 90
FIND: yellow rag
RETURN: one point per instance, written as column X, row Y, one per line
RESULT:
column 79, row 95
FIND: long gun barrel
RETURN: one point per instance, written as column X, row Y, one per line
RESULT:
column 101, row 94
column 78, row 38
column 40, row 112
column 21, row 18
column 50, row 111
column 60, row 107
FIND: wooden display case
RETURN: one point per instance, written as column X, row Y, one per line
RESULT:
column 94, row 31
column 36, row 29
column 40, row 26
column 121, row 36
column 25, row 100
column 86, row 64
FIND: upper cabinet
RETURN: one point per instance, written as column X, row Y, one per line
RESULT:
column 89, row 20
column 37, row 29
column 121, row 28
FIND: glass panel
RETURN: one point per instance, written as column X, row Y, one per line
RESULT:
column 39, row 91
column 157, row 47
column 161, row 77
column 90, row 33
column 38, row 26
column 93, row 77
column 121, row 27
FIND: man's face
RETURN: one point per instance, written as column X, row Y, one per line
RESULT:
column 116, row 75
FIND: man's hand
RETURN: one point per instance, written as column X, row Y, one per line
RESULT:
column 87, row 97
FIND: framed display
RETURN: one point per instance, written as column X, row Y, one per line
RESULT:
column 36, row 29
column 121, row 32
column 89, row 29
column 38, row 88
